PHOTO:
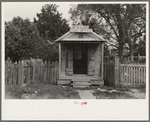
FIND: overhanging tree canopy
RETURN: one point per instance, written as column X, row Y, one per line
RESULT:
column 122, row 23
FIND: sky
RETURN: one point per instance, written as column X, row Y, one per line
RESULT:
column 30, row 9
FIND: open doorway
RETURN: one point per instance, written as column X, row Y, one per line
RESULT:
column 80, row 59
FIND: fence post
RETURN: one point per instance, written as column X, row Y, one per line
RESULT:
column 116, row 71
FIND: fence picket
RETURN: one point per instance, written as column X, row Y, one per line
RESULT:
column 28, row 81
column 50, row 72
column 134, row 75
column 56, row 72
column 33, row 77
column 139, row 76
column 45, row 71
column 37, row 72
column 144, row 74
column 129, row 74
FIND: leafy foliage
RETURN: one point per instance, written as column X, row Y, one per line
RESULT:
column 21, row 36
column 25, row 39
column 120, row 24
column 50, row 23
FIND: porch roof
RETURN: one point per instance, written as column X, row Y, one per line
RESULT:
column 80, row 33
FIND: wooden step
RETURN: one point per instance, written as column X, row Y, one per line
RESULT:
column 97, row 82
column 81, row 83
column 63, row 81
column 81, row 80
column 80, row 86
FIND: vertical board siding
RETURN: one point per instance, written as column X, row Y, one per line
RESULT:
column 130, row 74
column 38, row 72
column 109, row 72
column 134, row 74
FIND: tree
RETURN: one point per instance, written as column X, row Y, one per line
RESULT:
column 50, row 23
column 21, row 38
column 51, row 26
column 25, row 39
column 126, row 22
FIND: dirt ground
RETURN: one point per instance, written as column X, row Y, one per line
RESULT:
column 50, row 91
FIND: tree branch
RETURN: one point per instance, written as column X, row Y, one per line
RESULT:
column 112, row 44
column 111, row 26
column 114, row 38
column 138, row 34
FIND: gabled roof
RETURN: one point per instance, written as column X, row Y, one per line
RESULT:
column 80, row 33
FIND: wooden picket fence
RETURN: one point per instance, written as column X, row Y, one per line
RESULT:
column 26, row 72
column 133, row 74
column 125, row 74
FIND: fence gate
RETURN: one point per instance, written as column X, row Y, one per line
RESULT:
column 111, row 71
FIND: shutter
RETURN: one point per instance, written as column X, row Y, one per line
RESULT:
column 69, row 59
column 91, row 60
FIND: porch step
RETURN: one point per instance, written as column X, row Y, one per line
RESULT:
column 63, row 81
column 81, row 80
column 80, row 86
column 80, row 83
column 97, row 82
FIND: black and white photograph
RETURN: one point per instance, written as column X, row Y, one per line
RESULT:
column 84, row 53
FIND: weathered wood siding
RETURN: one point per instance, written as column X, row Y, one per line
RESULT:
column 91, row 60
column 27, row 72
column 66, row 59
column 69, row 59
column 95, row 60
column 98, row 60
column 63, row 57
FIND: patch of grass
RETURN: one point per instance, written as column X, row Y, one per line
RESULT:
column 142, row 88
column 86, row 88
column 113, row 95
column 51, row 91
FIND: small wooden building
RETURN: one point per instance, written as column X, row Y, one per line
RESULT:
column 81, row 57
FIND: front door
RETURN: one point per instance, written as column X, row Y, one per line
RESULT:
column 80, row 59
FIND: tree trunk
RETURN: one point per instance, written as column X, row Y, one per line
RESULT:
column 121, row 54
column 131, row 52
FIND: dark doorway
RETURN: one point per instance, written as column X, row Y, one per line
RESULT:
column 80, row 59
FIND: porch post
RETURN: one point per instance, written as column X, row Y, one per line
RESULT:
column 59, row 59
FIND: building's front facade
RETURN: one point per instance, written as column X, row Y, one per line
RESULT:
column 81, row 57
